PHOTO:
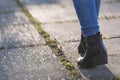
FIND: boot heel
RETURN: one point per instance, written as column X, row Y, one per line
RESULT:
column 100, row 60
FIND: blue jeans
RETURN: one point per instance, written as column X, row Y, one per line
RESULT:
column 87, row 12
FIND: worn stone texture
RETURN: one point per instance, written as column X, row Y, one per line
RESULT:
column 51, row 11
column 59, row 11
column 67, row 31
column 13, row 18
column 110, row 27
column 23, row 54
column 70, row 51
column 4, row 3
column 7, row 6
column 110, row 9
column 19, row 35
column 31, row 63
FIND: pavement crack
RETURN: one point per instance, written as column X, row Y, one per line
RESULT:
column 109, row 2
column 22, row 46
column 109, row 17
column 111, row 37
column 104, row 38
column 16, row 24
column 52, row 43
column 103, row 17
column 61, row 21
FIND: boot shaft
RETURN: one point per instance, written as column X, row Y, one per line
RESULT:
column 95, row 51
column 95, row 45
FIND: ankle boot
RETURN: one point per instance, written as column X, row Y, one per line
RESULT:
column 82, row 46
column 95, row 52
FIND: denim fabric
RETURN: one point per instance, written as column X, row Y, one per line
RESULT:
column 87, row 12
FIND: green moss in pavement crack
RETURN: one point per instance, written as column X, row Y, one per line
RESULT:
column 75, row 74
column 62, row 59
column 52, row 43
column 46, row 35
column 68, row 65
column 116, row 79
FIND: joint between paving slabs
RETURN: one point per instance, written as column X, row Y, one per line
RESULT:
column 52, row 43
column 22, row 46
column 109, row 17
column 104, row 17
column 109, row 2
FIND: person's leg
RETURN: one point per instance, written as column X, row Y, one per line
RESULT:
column 87, row 15
column 98, row 3
column 82, row 45
column 95, row 53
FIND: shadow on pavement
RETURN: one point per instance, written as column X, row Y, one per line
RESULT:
column 40, row 2
column 3, row 74
column 98, row 73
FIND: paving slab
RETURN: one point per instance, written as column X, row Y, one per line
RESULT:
column 7, row 6
column 19, row 35
column 70, row 51
column 63, row 27
column 45, row 11
column 70, row 31
column 4, row 3
column 106, row 72
column 31, row 63
column 110, row 27
column 110, row 9
column 13, row 18
column 43, row 2
column 50, row 11
column 67, row 31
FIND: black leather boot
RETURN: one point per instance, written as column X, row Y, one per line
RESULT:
column 82, row 46
column 95, row 52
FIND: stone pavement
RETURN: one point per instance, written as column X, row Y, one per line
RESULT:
column 24, row 55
